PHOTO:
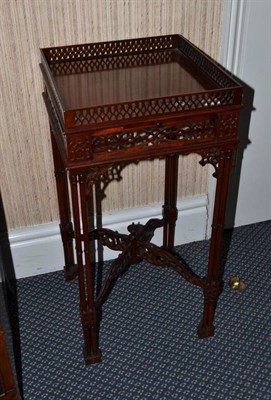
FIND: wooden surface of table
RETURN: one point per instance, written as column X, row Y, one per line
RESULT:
column 129, row 83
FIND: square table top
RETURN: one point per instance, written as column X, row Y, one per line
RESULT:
column 110, row 83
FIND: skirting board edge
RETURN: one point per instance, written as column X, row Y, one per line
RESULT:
column 38, row 249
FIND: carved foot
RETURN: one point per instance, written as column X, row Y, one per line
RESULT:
column 205, row 331
column 211, row 291
column 91, row 351
column 70, row 272
column 92, row 358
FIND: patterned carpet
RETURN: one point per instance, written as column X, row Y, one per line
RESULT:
column 148, row 332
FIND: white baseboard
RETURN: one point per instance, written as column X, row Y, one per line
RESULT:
column 38, row 249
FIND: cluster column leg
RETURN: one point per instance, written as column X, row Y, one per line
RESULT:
column 66, row 228
column 170, row 212
column 92, row 353
column 213, row 283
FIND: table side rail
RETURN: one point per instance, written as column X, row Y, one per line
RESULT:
column 167, row 134
column 49, row 86
column 108, row 49
column 208, row 65
column 112, row 114
column 56, row 128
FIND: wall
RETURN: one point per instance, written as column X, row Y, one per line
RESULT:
column 253, row 67
column 26, row 165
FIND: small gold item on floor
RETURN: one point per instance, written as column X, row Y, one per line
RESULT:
column 236, row 283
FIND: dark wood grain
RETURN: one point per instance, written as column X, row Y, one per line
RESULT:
column 115, row 103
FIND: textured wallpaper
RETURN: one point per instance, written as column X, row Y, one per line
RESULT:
column 26, row 173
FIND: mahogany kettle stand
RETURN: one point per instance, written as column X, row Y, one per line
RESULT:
column 92, row 154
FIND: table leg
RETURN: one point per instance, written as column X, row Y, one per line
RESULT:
column 66, row 228
column 213, row 284
column 170, row 211
column 92, row 353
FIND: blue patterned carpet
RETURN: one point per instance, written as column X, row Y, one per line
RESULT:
column 148, row 332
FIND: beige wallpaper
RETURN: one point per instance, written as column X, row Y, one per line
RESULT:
column 27, row 183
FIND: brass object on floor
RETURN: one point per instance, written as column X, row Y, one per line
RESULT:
column 236, row 283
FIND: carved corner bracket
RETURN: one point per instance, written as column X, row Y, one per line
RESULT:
column 104, row 175
column 214, row 156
